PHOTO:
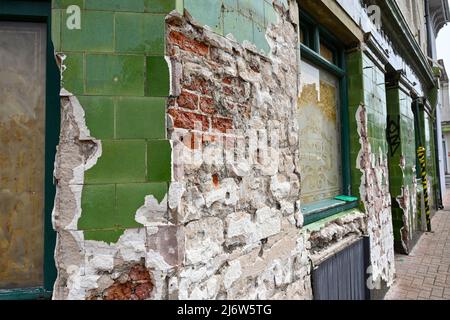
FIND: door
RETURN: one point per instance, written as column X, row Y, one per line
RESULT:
column 29, row 120
column 22, row 153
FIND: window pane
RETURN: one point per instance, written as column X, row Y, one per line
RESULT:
column 302, row 36
column 22, row 129
column 326, row 53
column 318, row 118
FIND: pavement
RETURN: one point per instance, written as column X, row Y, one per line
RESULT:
column 424, row 274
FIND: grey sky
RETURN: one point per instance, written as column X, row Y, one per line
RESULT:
column 443, row 45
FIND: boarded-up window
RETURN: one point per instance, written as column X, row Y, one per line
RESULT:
column 22, row 150
column 318, row 118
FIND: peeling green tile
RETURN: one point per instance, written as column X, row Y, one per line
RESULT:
column 96, row 33
column 98, row 206
column 99, row 113
column 130, row 197
column 120, row 162
column 115, row 75
column 239, row 26
column 108, row 236
column 73, row 80
column 259, row 36
column 141, row 118
column 211, row 17
column 158, row 81
column 140, row 33
column 270, row 15
column 159, row 160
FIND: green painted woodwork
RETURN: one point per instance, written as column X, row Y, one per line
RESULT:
column 323, row 209
column 319, row 224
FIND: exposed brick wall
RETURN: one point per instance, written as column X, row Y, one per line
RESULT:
column 241, row 220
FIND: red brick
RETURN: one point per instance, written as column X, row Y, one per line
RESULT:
column 199, row 85
column 188, row 44
column 188, row 100
column 207, row 105
column 228, row 90
column 186, row 120
column 215, row 179
column 227, row 80
column 222, row 124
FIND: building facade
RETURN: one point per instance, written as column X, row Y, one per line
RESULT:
column 216, row 149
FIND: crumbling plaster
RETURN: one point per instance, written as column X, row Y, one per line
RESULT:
column 234, row 231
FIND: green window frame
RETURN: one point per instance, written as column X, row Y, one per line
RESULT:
column 314, row 35
column 40, row 11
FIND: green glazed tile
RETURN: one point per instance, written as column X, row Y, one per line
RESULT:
column 56, row 29
column 259, row 36
column 159, row 6
column 158, row 81
column 239, row 26
column 130, row 197
column 120, row 162
column 97, row 205
column 230, row 5
column 141, row 118
column 63, row 4
column 116, row 5
column 212, row 17
column 99, row 113
column 140, row 33
column 115, row 75
column 73, row 75
column 270, row 16
column 108, row 236
column 96, row 33
column 159, row 160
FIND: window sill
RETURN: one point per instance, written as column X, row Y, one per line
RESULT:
column 323, row 209
column 25, row 294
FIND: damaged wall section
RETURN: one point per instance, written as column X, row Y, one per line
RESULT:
column 370, row 179
column 240, row 219
column 113, row 163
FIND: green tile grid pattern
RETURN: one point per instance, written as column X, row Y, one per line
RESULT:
column 245, row 19
column 366, row 85
column 399, row 109
column 115, row 66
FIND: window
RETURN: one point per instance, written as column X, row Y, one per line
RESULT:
column 29, row 128
column 323, row 125
column 318, row 118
